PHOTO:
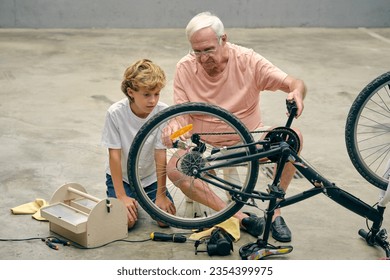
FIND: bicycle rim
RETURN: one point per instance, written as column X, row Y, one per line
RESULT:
column 240, row 177
column 367, row 131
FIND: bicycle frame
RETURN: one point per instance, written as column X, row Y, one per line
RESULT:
column 276, row 196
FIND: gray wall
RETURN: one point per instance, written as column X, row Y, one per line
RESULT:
column 176, row 13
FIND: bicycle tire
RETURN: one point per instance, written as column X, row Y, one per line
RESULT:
column 367, row 131
column 183, row 219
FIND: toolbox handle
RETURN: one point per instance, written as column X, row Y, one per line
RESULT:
column 83, row 194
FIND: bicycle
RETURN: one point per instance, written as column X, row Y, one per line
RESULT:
column 222, row 153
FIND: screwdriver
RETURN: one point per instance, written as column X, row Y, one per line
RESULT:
column 158, row 236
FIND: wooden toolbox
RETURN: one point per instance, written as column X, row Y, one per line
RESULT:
column 85, row 219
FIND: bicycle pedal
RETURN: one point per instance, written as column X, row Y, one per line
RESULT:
column 263, row 253
column 253, row 252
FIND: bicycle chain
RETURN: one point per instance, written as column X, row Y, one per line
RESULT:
column 289, row 131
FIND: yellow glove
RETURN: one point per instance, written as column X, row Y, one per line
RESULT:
column 231, row 226
column 31, row 208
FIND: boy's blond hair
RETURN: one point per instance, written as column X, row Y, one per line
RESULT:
column 143, row 74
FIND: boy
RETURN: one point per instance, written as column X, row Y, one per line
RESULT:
column 141, row 84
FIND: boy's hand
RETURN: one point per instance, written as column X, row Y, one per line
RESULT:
column 132, row 210
column 166, row 204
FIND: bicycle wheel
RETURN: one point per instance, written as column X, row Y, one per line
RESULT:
column 367, row 131
column 200, row 161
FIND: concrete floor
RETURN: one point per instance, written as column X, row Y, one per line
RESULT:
column 55, row 87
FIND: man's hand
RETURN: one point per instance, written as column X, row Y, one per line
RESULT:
column 173, row 126
column 296, row 91
column 165, row 136
column 297, row 97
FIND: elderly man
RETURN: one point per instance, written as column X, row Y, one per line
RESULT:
column 231, row 76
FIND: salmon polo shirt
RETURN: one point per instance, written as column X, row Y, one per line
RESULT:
column 237, row 89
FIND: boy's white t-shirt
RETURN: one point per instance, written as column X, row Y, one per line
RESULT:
column 120, row 127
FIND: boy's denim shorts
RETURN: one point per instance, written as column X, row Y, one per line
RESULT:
column 151, row 190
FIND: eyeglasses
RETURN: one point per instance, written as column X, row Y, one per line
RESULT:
column 205, row 52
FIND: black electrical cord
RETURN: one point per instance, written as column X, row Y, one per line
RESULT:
column 52, row 241
column 118, row 240
column 20, row 239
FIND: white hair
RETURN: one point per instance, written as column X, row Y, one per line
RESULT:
column 203, row 20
